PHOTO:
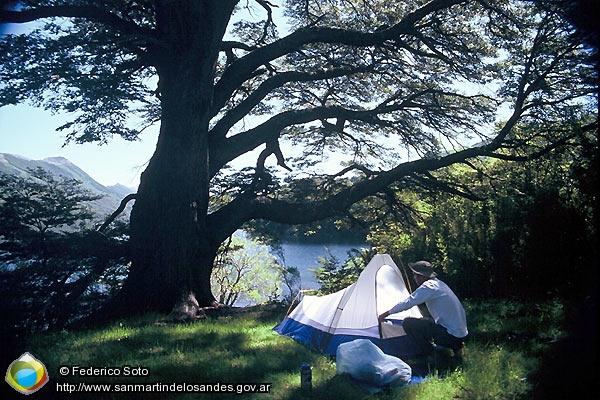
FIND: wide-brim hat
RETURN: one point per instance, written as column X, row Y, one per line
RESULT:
column 422, row 268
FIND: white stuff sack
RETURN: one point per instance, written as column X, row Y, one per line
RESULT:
column 364, row 361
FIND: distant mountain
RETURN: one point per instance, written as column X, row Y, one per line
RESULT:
column 59, row 166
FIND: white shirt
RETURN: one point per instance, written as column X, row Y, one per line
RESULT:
column 442, row 303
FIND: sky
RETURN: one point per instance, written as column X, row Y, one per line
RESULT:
column 31, row 132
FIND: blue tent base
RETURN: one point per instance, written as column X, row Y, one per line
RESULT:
column 327, row 343
column 400, row 347
column 416, row 380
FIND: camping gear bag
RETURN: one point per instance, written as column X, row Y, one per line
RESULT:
column 364, row 361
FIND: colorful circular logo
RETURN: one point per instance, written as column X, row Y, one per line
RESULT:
column 27, row 374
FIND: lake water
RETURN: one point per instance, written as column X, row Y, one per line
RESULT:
column 304, row 257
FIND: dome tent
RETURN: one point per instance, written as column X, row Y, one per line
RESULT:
column 325, row 322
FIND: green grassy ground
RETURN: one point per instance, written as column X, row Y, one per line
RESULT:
column 240, row 352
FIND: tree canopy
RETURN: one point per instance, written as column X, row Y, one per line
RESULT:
column 394, row 90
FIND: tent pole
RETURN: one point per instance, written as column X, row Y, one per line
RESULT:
column 405, row 276
column 380, row 334
column 379, row 327
column 293, row 301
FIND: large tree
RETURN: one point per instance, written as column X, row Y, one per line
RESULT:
column 396, row 88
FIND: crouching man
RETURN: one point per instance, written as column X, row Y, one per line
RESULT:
column 449, row 325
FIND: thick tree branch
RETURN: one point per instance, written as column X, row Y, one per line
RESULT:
column 270, row 130
column 118, row 211
column 240, row 111
column 248, row 206
column 97, row 14
column 272, row 148
column 239, row 71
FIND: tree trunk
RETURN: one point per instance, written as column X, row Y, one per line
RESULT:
column 172, row 249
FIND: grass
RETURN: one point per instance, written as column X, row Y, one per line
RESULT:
column 506, row 345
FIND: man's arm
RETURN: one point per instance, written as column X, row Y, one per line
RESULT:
column 419, row 296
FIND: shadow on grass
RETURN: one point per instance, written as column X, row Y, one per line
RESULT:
column 233, row 349
column 232, row 355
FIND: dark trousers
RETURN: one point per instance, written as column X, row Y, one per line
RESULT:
column 424, row 332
